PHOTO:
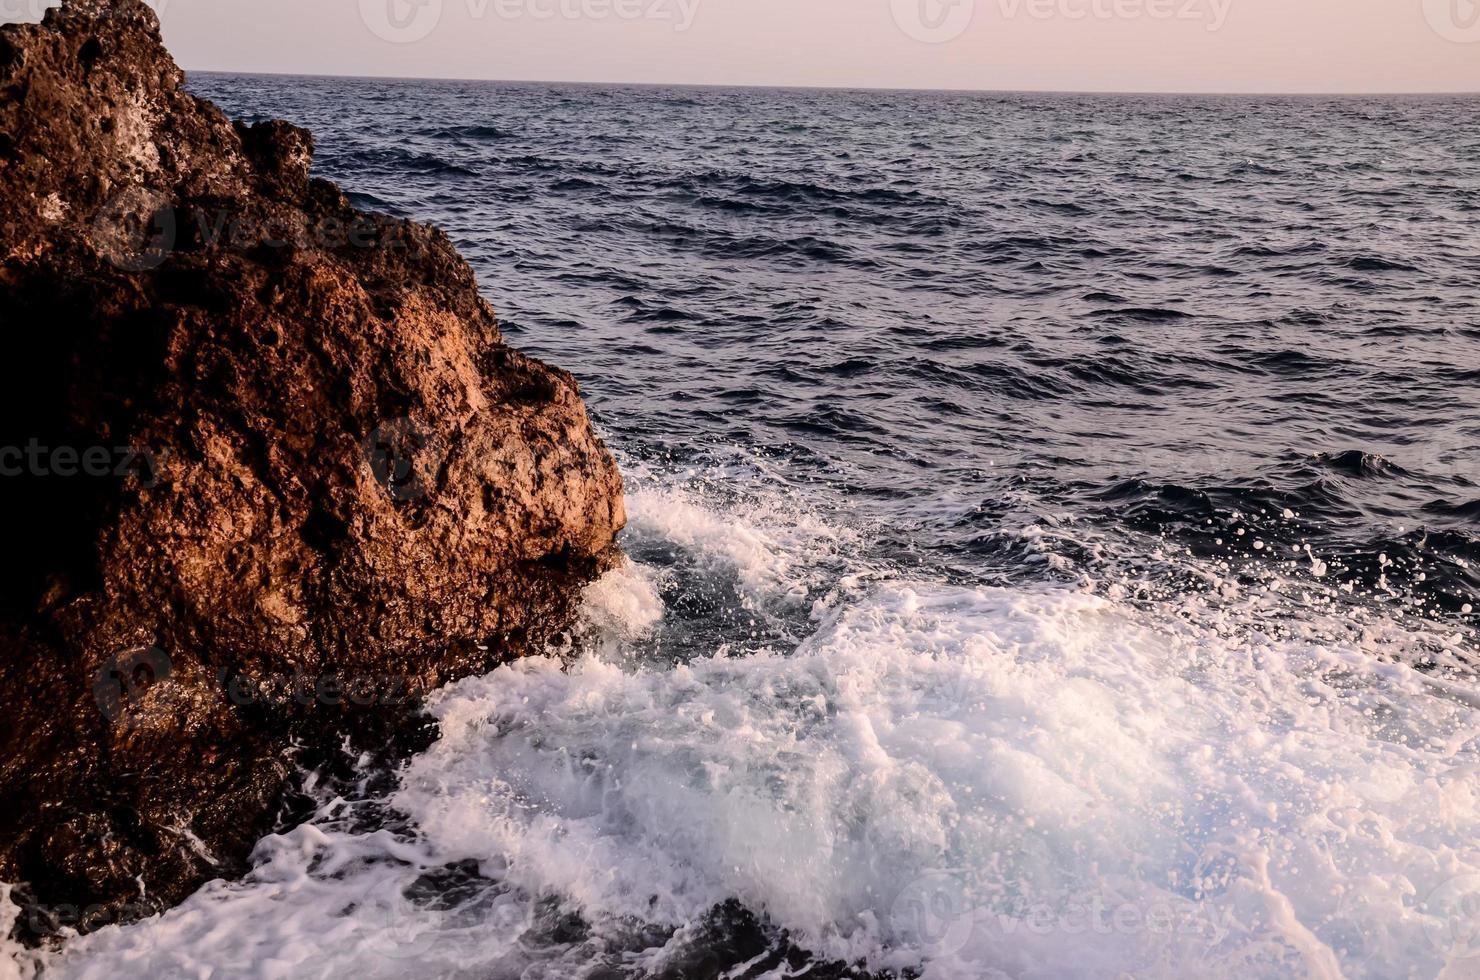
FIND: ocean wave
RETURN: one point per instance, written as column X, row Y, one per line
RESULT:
column 955, row 781
column 472, row 132
column 1145, row 314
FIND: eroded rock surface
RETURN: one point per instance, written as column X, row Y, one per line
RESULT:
column 249, row 432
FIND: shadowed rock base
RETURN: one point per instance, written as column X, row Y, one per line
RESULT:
column 267, row 470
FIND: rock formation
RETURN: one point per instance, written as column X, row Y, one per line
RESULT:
column 267, row 469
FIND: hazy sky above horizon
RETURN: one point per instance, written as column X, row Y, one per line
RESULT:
column 1107, row 45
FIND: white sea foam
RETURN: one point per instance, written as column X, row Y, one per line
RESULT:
column 1041, row 783
column 621, row 607
column 770, row 543
column 1024, row 783
column 15, row 963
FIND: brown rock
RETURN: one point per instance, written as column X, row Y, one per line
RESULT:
column 310, row 451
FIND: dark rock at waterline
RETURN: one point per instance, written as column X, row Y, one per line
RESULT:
column 267, row 471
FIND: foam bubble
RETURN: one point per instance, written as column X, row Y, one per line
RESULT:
column 621, row 607
column 964, row 781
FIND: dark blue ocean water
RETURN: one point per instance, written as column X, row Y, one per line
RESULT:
column 1038, row 501
column 1146, row 311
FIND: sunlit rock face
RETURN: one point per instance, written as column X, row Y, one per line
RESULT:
column 270, row 471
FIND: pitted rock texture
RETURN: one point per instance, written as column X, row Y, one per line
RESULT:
column 249, row 432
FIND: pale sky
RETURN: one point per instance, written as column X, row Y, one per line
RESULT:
column 1074, row 45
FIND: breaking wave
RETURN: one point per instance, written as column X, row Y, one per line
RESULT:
column 935, row 779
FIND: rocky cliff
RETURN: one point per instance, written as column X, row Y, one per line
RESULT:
column 267, row 469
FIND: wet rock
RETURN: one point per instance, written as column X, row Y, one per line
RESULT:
column 267, row 468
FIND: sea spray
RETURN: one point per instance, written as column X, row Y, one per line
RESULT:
column 964, row 781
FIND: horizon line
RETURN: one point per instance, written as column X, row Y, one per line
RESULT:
column 854, row 88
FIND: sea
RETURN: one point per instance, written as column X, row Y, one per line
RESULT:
column 1054, row 548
